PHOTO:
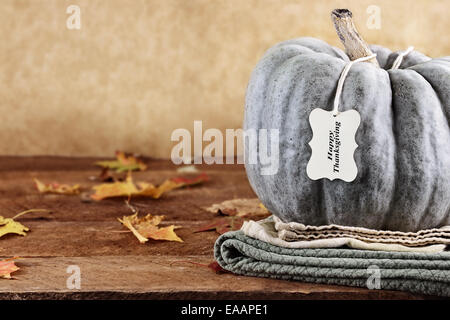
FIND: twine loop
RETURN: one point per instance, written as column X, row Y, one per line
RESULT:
column 344, row 73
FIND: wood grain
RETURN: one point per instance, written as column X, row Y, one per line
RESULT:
column 114, row 265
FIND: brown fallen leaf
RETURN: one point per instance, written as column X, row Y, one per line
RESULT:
column 124, row 162
column 236, row 211
column 183, row 182
column 240, row 208
column 9, row 225
column 128, row 188
column 222, row 225
column 106, row 176
column 57, row 188
column 7, row 267
column 147, row 227
column 215, row 266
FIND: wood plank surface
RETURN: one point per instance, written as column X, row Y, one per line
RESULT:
column 113, row 264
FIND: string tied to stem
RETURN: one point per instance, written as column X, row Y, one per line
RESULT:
column 398, row 61
column 340, row 85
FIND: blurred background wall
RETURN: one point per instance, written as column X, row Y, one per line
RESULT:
column 138, row 69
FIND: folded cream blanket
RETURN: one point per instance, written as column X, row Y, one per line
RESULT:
column 296, row 235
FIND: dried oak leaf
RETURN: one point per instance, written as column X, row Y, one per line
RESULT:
column 128, row 188
column 123, row 163
column 6, row 268
column 147, row 228
column 57, row 188
column 222, row 225
column 240, row 208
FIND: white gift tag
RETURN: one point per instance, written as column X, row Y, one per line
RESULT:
column 333, row 145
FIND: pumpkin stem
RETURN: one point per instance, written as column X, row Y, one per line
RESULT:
column 355, row 46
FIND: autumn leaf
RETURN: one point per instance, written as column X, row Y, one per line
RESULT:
column 106, row 176
column 149, row 190
column 115, row 189
column 183, row 182
column 240, row 208
column 123, row 163
column 6, row 268
column 128, row 188
column 9, row 225
column 222, row 225
column 57, row 188
column 147, row 228
column 234, row 213
column 215, row 266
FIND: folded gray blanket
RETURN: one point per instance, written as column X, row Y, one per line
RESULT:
column 424, row 273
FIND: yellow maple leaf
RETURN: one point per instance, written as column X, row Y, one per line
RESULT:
column 147, row 228
column 128, row 188
column 57, row 188
column 9, row 225
column 123, row 163
column 6, row 268
column 115, row 189
column 149, row 190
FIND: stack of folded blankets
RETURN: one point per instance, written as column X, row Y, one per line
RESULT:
column 410, row 261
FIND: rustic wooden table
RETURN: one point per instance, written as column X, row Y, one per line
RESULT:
column 114, row 265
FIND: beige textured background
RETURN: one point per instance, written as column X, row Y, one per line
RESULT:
column 139, row 69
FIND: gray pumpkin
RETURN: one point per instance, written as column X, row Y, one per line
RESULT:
column 403, row 158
